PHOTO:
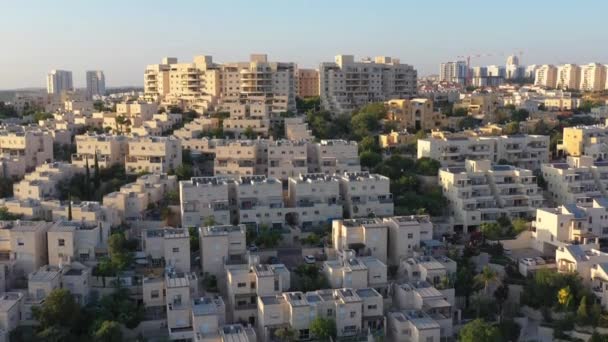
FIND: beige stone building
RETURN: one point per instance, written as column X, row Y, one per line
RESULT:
column 198, row 126
column 153, row 154
column 334, row 156
column 546, row 76
column 584, row 140
column 437, row 271
column 10, row 310
column 12, row 167
column 412, row 325
column 577, row 181
column 168, row 246
column 346, row 85
column 415, row 114
column 85, row 211
column 366, row 194
column 297, row 129
column 33, row 145
column 42, row 183
column 568, row 76
column 287, row 158
column 110, row 149
column 23, row 246
column 203, row 199
column 180, row 289
column 259, row 201
column 239, row 158
column 481, row 192
column 313, row 199
column 221, row 245
column 70, row 241
column 356, row 272
column 396, row 139
column 308, row 83
column 593, row 77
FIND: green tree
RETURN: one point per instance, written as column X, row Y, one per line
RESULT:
column 511, row 128
column 427, row 167
column 365, row 124
column 96, row 175
column 460, row 112
column 486, row 277
column 87, row 175
column 519, row 225
column 479, row 331
column 194, row 239
column 491, row 230
column 323, row 328
column 468, row 122
column 520, row 115
column 369, row 143
column 184, row 172
column 582, row 315
column 370, row 159
column 249, row 133
column 120, row 256
column 59, row 309
column 6, row 187
column 285, row 334
column 109, row 331
column 70, row 207
column 5, row 215
column 501, row 294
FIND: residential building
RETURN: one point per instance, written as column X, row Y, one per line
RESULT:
column 153, row 154
column 239, row 158
column 346, row 85
column 568, row 77
column 437, row 271
column 546, row 76
column 334, row 157
column 96, row 83
column 31, row 144
column 259, row 201
column 10, row 310
column 313, row 200
column 593, row 77
column 203, row 199
column 81, row 241
column 297, row 129
column 481, row 192
column 412, row 325
column 356, row 272
column 584, row 140
column 579, row 180
column 221, row 245
column 42, row 183
column 287, row 158
column 23, row 246
column 180, row 289
column 137, row 112
column 168, row 246
column 110, row 150
column 415, row 114
column 58, row 81
column 366, row 194
column 397, row 139
column 308, row 83
column 208, row 315
column 452, row 149
column 453, row 72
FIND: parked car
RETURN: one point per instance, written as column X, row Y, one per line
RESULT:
column 310, row 259
column 507, row 251
column 253, row 248
column 528, row 261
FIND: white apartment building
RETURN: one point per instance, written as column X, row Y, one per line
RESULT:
column 259, row 201
column 203, row 199
column 70, row 241
column 568, row 76
column 356, row 272
column 365, row 195
column 297, row 129
column 137, row 111
column 132, row 200
column 577, row 181
column 434, row 270
column 390, row 239
column 481, row 192
column 593, row 77
column 287, row 158
column 10, row 310
column 525, row 151
column 42, row 183
column 96, row 83
column 23, row 246
column 316, row 199
column 546, row 76
column 454, row 72
column 153, row 154
column 240, row 158
column 110, row 150
column 334, row 156
column 12, row 167
column 412, row 326
column 58, row 81
column 221, row 245
column 32, row 144
column 76, row 278
column 180, row 289
column 168, row 246
column 245, row 283
column 346, row 85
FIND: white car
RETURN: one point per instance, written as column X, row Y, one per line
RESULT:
column 528, row 261
column 310, row 259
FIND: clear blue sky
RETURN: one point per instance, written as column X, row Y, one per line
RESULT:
column 122, row 36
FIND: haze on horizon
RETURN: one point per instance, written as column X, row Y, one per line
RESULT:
column 121, row 38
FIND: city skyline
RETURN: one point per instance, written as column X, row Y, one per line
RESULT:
column 108, row 37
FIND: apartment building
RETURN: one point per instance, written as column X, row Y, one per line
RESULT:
column 454, row 72
column 297, row 129
column 10, row 310
column 316, row 199
column 96, row 83
column 356, row 272
column 415, row 114
column 259, row 201
column 308, row 83
column 42, row 183
column 287, row 158
column 23, row 246
column 481, row 192
column 33, row 145
column 390, row 239
column 365, row 195
column 208, row 315
column 434, row 270
column 69, row 241
column 27, row 209
column 205, row 198
column 334, row 156
column 422, row 296
column 12, row 167
column 137, row 112
column 584, row 140
column 577, row 181
column 110, row 150
column 568, row 77
column 593, row 77
column 240, row 157
column 58, row 81
column 195, row 128
column 180, row 289
column 546, row 76
column 245, row 283
column 346, row 85
column 452, row 149
column 412, row 325
column 168, row 246
column 153, row 154
column 133, row 199
column 221, row 245
column 396, row 139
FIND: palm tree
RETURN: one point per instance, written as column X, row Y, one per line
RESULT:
column 487, row 277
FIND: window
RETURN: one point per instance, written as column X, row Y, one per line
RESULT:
column 241, row 284
column 154, row 294
column 330, row 312
column 61, row 242
column 353, row 314
column 20, row 242
column 372, row 307
column 175, row 249
column 410, row 235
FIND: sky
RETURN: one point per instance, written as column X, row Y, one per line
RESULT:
column 121, row 37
